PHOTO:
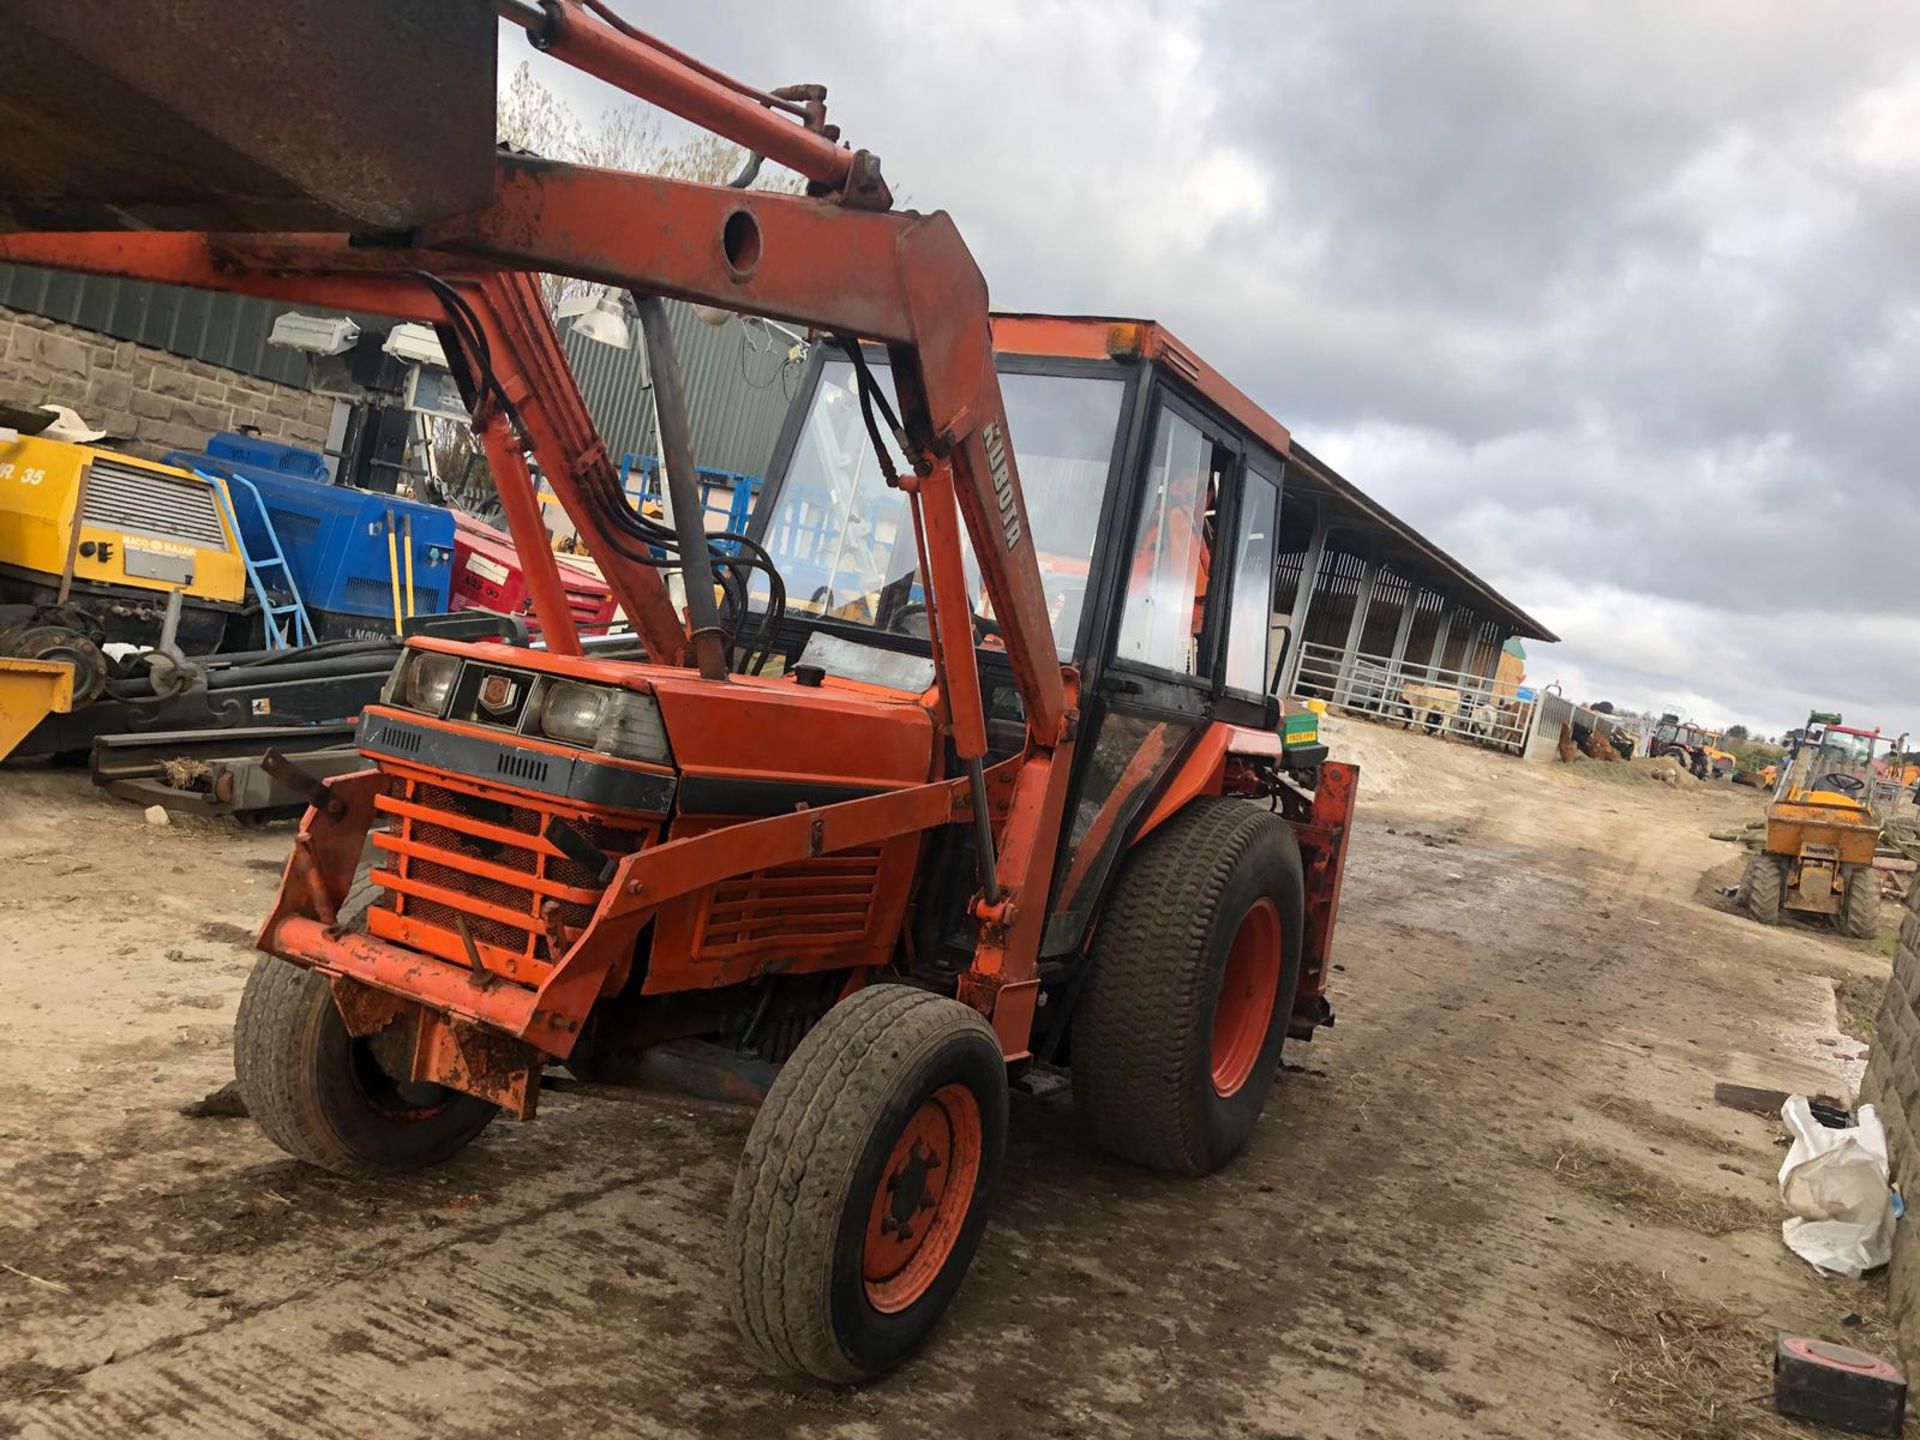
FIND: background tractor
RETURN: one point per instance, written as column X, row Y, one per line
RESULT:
column 1694, row 746
column 1821, row 832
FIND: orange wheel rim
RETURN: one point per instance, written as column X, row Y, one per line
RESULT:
column 922, row 1200
column 1249, row 986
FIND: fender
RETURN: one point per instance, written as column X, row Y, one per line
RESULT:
column 1204, row 771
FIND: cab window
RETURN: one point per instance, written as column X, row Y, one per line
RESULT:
column 1250, row 616
column 1172, row 549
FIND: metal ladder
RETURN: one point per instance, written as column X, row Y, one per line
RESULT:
column 262, row 570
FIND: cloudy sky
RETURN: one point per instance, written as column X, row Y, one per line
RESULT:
column 1619, row 302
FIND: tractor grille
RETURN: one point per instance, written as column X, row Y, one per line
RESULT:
column 811, row 902
column 453, row 856
column 182, row 508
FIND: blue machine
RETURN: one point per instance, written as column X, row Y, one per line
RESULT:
column 724, row 493
column 347, row 551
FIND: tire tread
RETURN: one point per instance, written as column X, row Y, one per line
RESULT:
column 1134, row 1035
column 784, row 1220
column 1767, row 888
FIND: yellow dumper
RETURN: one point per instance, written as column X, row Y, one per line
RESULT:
column 1821, row 833
column 31, row 690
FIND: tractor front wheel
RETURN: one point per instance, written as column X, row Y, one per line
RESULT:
column 866, row 1183
column 1195, row 965
column 1766, row 887
column 1860, row 906
column 345, row 1103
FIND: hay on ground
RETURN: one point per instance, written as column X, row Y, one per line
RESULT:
column 1684, row 1369
column 1606, row 1176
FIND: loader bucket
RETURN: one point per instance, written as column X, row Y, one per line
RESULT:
column 31, row 690
column 354, row 115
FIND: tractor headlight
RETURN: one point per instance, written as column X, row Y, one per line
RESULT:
column 614, row 722
column 429, row 681
column 633, row 730
column 573, row 712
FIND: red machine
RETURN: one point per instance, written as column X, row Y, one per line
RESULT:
column 487, row 575
column 969, row 805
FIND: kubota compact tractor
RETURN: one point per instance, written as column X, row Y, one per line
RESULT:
column 964, row 769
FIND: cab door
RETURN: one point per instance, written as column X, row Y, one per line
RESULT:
column 1158, row 669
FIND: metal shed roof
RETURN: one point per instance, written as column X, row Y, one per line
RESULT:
column 1420, row 560
column 1416, row 558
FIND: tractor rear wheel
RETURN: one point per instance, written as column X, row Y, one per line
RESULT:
column 1195, row 964
column 1860, row 906
column 344, row 1103
column 1766, row 887
column 866, row 1183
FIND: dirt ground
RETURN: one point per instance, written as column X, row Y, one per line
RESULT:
column 1482, row 1206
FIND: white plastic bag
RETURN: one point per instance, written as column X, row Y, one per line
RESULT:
column 1835, row 1182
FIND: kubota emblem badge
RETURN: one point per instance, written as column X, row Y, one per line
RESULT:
column 497, row 692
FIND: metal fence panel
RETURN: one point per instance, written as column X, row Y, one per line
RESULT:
column 1440, row 701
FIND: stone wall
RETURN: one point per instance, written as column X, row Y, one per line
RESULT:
column 1893, row 1085
column 150, row 400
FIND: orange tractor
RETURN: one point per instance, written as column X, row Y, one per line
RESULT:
column 997, row 794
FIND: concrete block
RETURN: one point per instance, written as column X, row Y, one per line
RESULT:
column 289, row 404
column 125, row 352
column 60, row 352
column 202, row 421
column 210, row 392
column 149, row 406
column 240, row 393
column 171, row 435
column 113, row 390
column 171, row 380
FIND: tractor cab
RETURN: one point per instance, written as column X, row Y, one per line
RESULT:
column 1834, row 764
column 1153, row 492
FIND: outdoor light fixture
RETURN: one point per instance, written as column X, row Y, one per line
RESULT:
column 599, row 314
column 315, row 334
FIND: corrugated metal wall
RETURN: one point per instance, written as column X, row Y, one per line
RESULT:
column 225, row 330
column 738, row 388
column 738, row 381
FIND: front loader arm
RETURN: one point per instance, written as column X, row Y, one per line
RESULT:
column 903, row 279
column 836, row 261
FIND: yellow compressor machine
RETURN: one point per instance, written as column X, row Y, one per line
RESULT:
column 93, row 543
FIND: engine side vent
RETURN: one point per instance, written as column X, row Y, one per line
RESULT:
column 817, row 902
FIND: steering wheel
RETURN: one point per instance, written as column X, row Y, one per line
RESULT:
column 1845, row 784
column 911, row 619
